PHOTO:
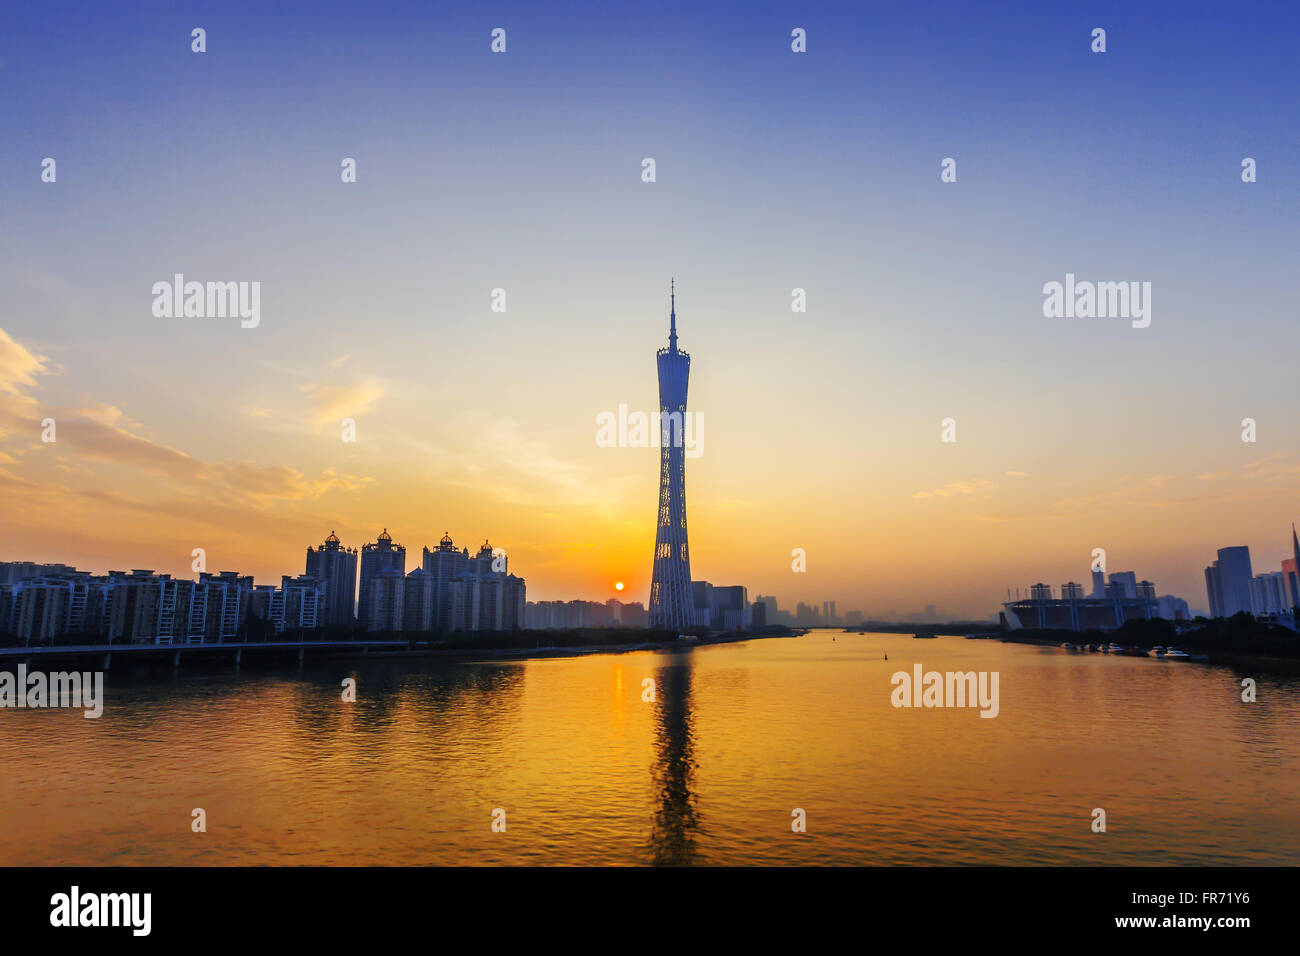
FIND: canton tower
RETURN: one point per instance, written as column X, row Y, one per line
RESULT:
column 670, row 587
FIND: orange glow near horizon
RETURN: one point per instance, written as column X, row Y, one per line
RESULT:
column 900, row 521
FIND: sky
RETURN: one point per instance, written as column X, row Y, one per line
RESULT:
column 774, row 171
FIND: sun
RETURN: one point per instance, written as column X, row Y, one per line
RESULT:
column 618, row 586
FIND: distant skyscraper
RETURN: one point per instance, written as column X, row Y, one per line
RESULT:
column 382, row 555
column 1293, row 580
column 1127, row 580
column 1289, row 568
column 1227, row 582
column 670, row 587
column 1268, row 593
column 1098, row 584
column 336, row 567
column 1212, row 589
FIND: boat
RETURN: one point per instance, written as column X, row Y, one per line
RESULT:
column 990, row 636
column 923, row 637
column 1175, row 652
column 1113, row 648
column 1157, row 651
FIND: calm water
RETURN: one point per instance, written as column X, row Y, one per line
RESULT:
column 739, row 736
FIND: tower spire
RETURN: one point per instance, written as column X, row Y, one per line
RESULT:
column 672, row 315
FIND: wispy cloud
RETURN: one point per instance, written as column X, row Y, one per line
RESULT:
column 954, row 489
column 332, row 403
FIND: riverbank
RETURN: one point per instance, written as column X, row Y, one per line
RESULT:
column 511, row 646
column 1231, row 657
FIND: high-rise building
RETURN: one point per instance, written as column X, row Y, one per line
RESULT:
column 385, row 609
column 1213, row 590
column 670, row 584
column 382, row 555
column 485, row 597
column 729, row 606
column 1268, row 593
column 219, row 606
column 634, row 615
column 336, row 568
column 1227, row 582
column 1292, row 579
column 1173, row 608
column 446, row 564
column 11, row 572
column 419, row 609
column 758, row 615
column 1126, row 580
column 701, row 604
column 298, row 605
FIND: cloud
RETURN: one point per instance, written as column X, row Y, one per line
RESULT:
column 1274, row 468
column 18, row 367
column 102, row 433
column 956, row 488
column 496, row 457
column 332, row 403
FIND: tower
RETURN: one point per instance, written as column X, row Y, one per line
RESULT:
column 670, row 587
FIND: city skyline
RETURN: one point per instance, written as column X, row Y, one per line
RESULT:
column 1268, row 592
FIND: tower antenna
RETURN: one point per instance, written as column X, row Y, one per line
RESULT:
column 672, row 315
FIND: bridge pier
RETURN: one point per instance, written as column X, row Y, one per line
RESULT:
column 108, row 659
column 176, row 660
column 301, row 652
column 239, row 655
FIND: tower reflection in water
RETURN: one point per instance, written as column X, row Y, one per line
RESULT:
column 672, row 836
